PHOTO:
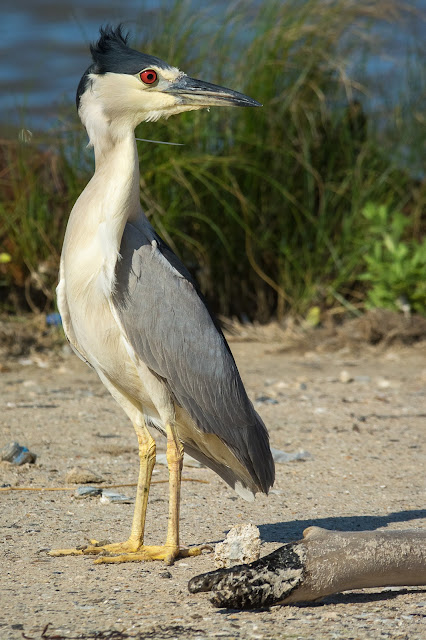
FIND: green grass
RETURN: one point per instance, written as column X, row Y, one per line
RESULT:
column 263, row 205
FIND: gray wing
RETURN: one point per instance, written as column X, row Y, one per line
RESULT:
column 170, row 328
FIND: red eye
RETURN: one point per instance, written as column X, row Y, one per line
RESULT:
column 149, row 76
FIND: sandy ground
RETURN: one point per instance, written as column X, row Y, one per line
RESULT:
column 366, row 471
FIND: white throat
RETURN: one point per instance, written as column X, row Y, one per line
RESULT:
column 110, row 199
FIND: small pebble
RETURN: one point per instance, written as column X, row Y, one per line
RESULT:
column 282, row 385
column 363, row 379
column 29, row 383
column 383, row 383
column 266, row 400
column 165, row 574
column 320, row 410
column 87, row 492
column 81, row 475
column 345, row 377
column 17, row 454
column 109, row 496
column 282, row 456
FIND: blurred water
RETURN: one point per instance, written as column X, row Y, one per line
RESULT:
column 44, row 51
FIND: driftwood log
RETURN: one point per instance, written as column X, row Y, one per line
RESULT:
column 322, row 563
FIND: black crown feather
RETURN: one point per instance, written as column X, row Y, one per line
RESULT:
column 112, row 43
column 111, row 54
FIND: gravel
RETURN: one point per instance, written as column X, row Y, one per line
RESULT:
column 365, row 432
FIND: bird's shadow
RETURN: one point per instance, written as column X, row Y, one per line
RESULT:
column 286, row 531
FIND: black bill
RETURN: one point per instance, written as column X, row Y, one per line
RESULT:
column 204, row 94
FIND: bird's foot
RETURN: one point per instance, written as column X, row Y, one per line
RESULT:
column 95, row 547
column 167, row 553
column 130, row 551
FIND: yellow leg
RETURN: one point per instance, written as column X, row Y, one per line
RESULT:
column 135, row 542
column 171, row 549
column 133, row 549
column 175, row 464
column 147, row 461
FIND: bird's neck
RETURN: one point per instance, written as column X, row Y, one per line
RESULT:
column 116, row 177
column 96, row 225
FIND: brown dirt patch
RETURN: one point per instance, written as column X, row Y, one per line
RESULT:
column 360, row 411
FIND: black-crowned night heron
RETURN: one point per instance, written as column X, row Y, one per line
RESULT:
column 133, row 312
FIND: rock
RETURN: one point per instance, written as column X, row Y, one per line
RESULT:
column 345, row 376
column 363, row 379
column 383, row 383
column 87, row 492
column 81, row 475
column 266, row 400
column 320, row 411
column 282, row 385
column 17, row 454
column 282, row 456
column 241, row 545
column 109, row 496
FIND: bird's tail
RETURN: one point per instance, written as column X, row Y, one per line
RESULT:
column 256, row 469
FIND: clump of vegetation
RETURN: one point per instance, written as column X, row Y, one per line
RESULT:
column 395, row 266
column 263, row 205
column 38, row 187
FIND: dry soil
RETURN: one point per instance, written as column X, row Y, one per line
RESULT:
column 360, row 414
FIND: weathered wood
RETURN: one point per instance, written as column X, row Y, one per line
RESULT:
column 322, row 563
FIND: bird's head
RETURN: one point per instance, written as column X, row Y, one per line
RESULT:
column 124, row 87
